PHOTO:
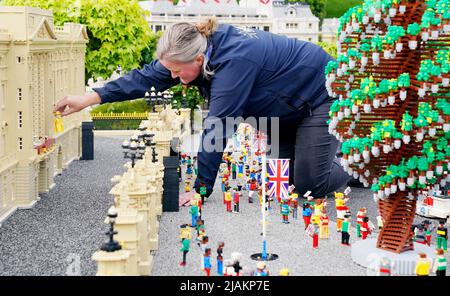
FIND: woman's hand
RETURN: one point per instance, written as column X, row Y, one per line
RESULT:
column 72, row 104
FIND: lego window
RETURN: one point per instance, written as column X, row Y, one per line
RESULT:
column 19, row 60
column 19, row 116
column 19, row 94
column 310, row 25
column 20, row 143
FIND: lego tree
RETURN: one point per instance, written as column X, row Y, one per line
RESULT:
column 391, row 81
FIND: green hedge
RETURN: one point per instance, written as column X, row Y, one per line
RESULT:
column 116, row 124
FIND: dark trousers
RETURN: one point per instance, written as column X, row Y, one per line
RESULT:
column 312, row 153
column 184, row 256
column 345, row 237
column 440, row 272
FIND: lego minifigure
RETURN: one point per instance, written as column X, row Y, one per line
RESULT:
column 315, row 235
column 293, row 203
column 306, row 214
column 251, row 190
column 428, row 227
column 207, row 261
column 194, row 212
column 219, row 265
column 323, row 222
column 233, row 169
column 228, row 198
column 202, row 192
column 198, row 200
column 385, row 267
column 187, row 187
column 345, row 230
column 362, row 212
column 261, row 269
column 200, row 228
column 422, row 265
column 240, row 168
column 341, row 209
column 285, row 210
column 236, row 198
column 379, row 222
column 220, row 258
column 442, row 236
column 319, row 205
column 364, row 228
column 189, row 171
column 185, row 240
column 440, row 263
column 58, row 122
column 419, row 234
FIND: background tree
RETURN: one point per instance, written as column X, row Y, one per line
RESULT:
column 117, row 30
column 392, row 113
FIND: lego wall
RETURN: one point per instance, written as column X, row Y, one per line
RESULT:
column 39, row 64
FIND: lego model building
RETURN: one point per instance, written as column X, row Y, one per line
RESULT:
column 39, row 64
column 392, row 114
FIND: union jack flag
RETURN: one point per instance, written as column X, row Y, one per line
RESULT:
column 278, row 170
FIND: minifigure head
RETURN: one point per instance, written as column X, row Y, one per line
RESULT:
column 422, row 256
column 187, row 183
column 441, row 223
column 284, row 272
column 366, row 219
column 221, row 244
column 439, row 252
column 339, row 195
column 205, row 239
column 347, row 217
column 261, row 265
column 207, row 251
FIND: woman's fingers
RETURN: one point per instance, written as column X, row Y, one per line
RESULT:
column 61, row 105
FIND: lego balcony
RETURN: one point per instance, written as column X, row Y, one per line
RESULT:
column 45, row 146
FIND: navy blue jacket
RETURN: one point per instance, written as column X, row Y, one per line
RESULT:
column 256, row 73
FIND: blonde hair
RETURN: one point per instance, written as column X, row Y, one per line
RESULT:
column 183, row 42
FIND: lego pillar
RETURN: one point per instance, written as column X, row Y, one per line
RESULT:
column 111, row 263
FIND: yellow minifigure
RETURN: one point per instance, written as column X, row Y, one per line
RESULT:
column 341, row 209
column 58, row 122
column 187, row 187
column 323, row 225
column 319, row 205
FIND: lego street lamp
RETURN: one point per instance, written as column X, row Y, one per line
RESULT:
column 151, row 98
column 133, row 150
column 111, row 245
column 154, row 154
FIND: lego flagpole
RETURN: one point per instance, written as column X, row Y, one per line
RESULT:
column 263, row 181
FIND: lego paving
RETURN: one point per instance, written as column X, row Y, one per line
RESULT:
column 67, row 226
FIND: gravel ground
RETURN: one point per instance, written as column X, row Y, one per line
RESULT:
column 60, row 234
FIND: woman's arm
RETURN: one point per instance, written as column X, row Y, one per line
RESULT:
column 131, row 86
column 135, row 83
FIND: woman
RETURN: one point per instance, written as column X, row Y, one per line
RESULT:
column 243, row 73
